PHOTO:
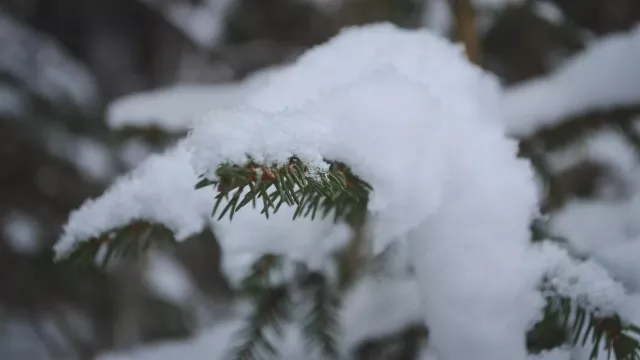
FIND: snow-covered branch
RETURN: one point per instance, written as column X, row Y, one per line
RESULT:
column 42, row 66
column 604, row 76
column 406, row 112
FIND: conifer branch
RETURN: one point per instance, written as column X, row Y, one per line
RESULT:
column 336, row 191
column 272, row 304
column 579, row 325
column 619, row 339
column 271, row 311
column 321, row 325
column 131, row 240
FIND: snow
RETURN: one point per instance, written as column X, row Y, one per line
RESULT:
column 303, row 240
column 603, row 76
column 21, row 335
column 173, row 108
column 418, row 145
column 480, row 239
column 168, row 278
column 210, row 345
column 606, row 231
column 586, row 282
column 133, row 152
column 606, row 147
column 437, row 16
column 409, row 114
column 586, row 223
column 554, row 354
column 548, row 11
column 202, row 22
column 22, row 231
column 621, row 260
column 324, row 100
column 43, row 65
column 170, row 109
column 375, row 308
column 369, row 311
column 18, row 340
column 160, row 190
column 92, row 158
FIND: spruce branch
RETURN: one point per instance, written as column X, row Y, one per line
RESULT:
column 352, row 261
column 618, row 338
column 321, row 325
column 337, row 190
column 567, row 321
column 257, row 279
column 130, row 240
column 271, row 310
column 548, row 333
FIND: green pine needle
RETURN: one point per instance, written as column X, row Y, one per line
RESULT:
column 337, row 190
column 271, row 311
column 131, row 240
column 618, row 338
column 579, row 325
column 321, row 325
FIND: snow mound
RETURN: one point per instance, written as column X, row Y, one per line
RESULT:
column 408, row 113
column 385, row 101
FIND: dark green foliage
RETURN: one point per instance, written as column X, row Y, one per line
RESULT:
column 271, row 309
column 547, row 334
column 405, row 345
column 164, row 320
column 565, row 321
column 153, row 136
column 321, row 324
column 575, row 128
column 273, row 304
column 337, row 190
column 561, row 187
column 578, row 325
column 130, row 240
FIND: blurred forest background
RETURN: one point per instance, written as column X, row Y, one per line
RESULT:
column 63, row 63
